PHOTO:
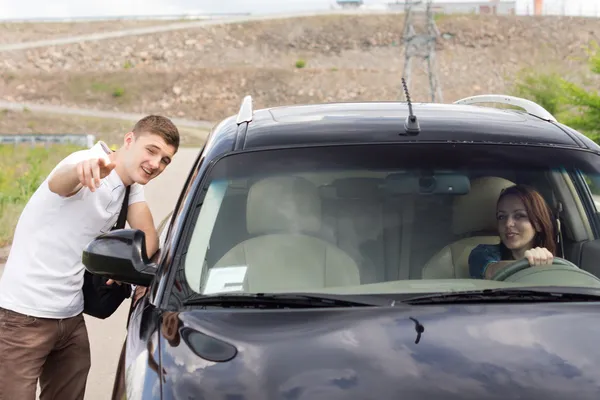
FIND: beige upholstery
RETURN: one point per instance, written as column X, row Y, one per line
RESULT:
column 285, row 215
column 288, row 204
column 474, row 214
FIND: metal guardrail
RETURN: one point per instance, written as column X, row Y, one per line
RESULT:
column 84, row 140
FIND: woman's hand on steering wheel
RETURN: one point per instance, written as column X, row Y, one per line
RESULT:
column 539, row 256
column 516, row 266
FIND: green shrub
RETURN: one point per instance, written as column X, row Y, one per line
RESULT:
column 570, row 103
column 545, row 89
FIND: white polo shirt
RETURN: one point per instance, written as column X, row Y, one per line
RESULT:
column 43, row 275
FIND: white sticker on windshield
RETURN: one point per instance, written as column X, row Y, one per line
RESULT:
column 226, row 279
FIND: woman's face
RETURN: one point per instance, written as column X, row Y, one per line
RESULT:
column 515, row 228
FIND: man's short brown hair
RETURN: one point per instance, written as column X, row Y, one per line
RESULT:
column 160, row 126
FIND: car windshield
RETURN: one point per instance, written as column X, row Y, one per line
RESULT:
column 387, row 218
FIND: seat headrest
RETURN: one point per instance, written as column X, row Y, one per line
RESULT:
column 476, row 211
column 284, row 203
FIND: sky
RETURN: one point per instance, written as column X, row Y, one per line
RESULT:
column 26, row 9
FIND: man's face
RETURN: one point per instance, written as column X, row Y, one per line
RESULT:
column 147, row 156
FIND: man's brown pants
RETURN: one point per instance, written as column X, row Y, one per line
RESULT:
column 57, row 351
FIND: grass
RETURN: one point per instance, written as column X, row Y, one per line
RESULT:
column 101, row 88
column 110, row 131
column 22, row 169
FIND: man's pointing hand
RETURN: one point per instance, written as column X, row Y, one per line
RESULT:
column 90, row 172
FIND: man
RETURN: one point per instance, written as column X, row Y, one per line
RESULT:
column 42, row 330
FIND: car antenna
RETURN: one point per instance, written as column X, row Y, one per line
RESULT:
column 411, row 125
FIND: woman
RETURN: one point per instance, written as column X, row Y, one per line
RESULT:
column 526, row 231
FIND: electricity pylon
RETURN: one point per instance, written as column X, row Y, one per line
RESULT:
column 421, row 45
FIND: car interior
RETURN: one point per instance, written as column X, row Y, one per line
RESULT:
column 346, row 229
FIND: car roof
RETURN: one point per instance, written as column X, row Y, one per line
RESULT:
column 464, row 121
column 384, row 122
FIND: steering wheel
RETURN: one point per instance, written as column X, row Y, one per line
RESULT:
column 524, row 264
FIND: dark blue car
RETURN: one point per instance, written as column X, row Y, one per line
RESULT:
column 359, row 251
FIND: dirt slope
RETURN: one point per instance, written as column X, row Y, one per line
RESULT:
column 204, row 72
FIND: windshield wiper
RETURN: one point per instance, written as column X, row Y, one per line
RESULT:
column 286, row 300
column 509, row 295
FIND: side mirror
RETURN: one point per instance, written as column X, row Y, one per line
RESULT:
column 120, row 255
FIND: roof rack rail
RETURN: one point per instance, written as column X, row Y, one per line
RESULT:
column 528, row 105
column 245, row 113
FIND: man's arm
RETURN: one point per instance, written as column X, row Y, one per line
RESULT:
column 65, row 181
column 70, row 178
column 139, row 217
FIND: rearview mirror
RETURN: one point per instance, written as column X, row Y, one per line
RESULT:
column 438, row 182
column 120, row 255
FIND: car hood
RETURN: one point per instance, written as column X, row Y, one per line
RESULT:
column 527, row 351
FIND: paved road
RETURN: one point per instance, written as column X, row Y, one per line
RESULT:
column 106, row 336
